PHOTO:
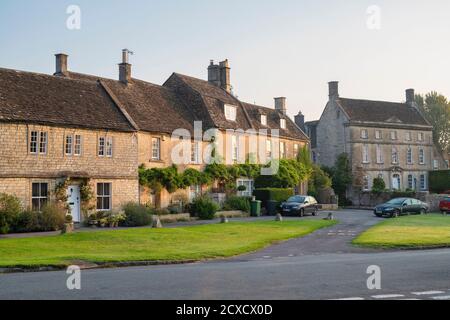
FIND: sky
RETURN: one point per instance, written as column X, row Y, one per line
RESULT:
column 292, row 48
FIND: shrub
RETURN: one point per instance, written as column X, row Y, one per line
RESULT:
column 136, row 215
column 10, row 209
column 52, row 217
column 440, row 181
column 319, row 181
column 204, row 208
column 378, row 185
column 27, row 221
column 237, row 203
column 273, row 194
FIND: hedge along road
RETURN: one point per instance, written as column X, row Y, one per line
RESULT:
column 173, row 244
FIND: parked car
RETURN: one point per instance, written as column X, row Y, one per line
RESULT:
column 300, row 205
column 444, row 206
column 401, row 206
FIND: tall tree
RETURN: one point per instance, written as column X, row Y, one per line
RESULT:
column 436, row 109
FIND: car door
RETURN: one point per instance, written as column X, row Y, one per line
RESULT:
column 408, row 206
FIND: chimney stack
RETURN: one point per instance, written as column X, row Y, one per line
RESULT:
column 333, row 88
column 410, row 96
column 300, row 121
column 214, row 74
column 61, row 64
column 125, row 67
column 280, row 105
column 225, row 80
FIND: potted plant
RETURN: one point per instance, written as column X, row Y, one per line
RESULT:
column 68, row 225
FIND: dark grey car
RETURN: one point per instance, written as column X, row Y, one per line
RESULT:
column 300, row 206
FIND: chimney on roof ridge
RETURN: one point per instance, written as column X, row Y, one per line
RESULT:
column 214, row 74
column 300, row 121
column 333, row 88
column 225, row 76
column 61, row 64
column 410, row 96
column 125, row 67
column 280, row 105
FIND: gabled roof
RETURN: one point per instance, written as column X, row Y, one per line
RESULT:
column 213, row 99
column 381, row 111
column 43, row 99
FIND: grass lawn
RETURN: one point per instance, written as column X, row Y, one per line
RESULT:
column 408, row 232
column 177, row 244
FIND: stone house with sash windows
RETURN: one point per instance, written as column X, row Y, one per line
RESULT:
column 387, row 140
column 72, row 130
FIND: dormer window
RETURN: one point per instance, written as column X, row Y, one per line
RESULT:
column 283, row 123
column 264, row 120
column 230, row 112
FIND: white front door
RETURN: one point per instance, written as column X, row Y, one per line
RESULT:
column 396, row 183
column 73, row 198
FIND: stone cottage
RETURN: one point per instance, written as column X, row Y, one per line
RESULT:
column 387, row 140
column 70, row 130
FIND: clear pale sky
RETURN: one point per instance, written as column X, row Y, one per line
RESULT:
column 286, row 48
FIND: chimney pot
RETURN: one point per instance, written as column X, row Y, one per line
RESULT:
column 125, row 67
column 280, row 105
column 333, row 88
column 300, row 121
column 225, row 78
column 61, row 64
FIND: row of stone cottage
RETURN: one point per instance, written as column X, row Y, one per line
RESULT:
column 86, row 130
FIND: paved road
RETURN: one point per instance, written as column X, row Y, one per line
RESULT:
column 297, row 269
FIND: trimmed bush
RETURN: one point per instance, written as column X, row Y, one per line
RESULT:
column 52, row 217
column 204, row 208
column 237, row 203
column 10, row 208
column 440, row 181
column 273, row 194
column 378, row 185
column 137, row 215
column 27, row 221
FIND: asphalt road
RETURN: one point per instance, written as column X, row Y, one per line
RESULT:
column 320, row 266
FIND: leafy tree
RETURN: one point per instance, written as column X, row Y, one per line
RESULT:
column 318, row 181
column 341, row 175
column 378, row 185
column 436, row 109
column 290, row 174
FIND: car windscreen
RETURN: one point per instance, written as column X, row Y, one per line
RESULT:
column 396, row 201
column 297, row 199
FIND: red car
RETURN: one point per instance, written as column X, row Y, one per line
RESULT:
column 445, row 205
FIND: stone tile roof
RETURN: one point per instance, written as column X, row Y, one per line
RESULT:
column 43, row 99
column 381, row 111
column 210, row 105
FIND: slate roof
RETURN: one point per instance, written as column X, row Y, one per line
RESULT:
column 43, row 99
column 381, row 111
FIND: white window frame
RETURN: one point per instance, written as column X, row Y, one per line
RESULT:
column 234, row 148
column 422, row 159
column 409, row 156
column 378, row 135
column 380, row 158
column 39, row 197
column 249, row 183
column 283, row 124
column 365, row 154
column 109, row 147
column 104, row 196
column 423, row 182
column 264, row 119
column 394, row 135
column 421, row 137
column 69, row 144
column 156, row 149
column 296, row 149
column 408, row 136
column 395, row 156
column 78, row 145
column 411, row 182
column 43, row 142
column 101, row 146
column 366, row 183
column 195, row 152
column 230, row 112
column 436, row 164
column 283, row 150
column 33, row 147
column 364, row 134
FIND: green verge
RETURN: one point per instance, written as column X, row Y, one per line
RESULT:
column 409, row 232
column 144, row 244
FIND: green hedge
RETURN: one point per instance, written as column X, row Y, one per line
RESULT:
column 440, row 181
column 273, row 194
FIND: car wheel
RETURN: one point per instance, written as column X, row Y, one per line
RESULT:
column 314, row 213
column 395, row 214
column 302, row 213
